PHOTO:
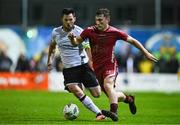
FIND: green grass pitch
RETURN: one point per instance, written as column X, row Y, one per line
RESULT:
column 35, row 107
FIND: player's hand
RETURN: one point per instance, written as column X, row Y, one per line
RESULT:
column 49, row 65
column 90, row 63
column 71, row 36
column 151, row 57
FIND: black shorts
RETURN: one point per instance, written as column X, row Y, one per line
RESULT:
column 80, row 74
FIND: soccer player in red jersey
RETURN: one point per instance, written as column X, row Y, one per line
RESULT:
column 102, row 38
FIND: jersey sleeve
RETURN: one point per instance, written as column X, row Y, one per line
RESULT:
column 84, row 35
column 53, row 35
column 122, row 35
column 86, row 44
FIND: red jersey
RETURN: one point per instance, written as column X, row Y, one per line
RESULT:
column 102, row 44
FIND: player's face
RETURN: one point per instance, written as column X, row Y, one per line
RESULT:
column 68, row 21
column 101, row 22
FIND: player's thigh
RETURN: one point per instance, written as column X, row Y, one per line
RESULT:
column 109, row 80
column 95, row 91
column 88, row 78
column 109, row 83
column 109, row 75
column 75, row 89
column 72, row 75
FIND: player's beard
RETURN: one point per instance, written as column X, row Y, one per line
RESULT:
column 69, row 27
column 100, row 27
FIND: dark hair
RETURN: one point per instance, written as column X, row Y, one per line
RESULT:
column 103, row 11
column 67, row 11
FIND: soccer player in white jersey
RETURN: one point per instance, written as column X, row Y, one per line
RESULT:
column 75, row 62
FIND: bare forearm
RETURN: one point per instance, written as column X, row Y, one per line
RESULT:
column 50, row 53
column 75, row 40
column 90, row 62
column 138, row 45
column 88, row 51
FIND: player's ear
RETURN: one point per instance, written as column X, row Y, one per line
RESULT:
column 74, row 19
column 108, row 19
column 61, row 19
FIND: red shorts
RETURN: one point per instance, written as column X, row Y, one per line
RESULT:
column 106, row 71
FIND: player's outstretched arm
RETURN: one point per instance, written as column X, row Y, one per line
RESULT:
column 138, row 45
column 51, row 52
column 90, row 62
column 75, row 40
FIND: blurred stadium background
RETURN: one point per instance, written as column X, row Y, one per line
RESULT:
column 25, row 33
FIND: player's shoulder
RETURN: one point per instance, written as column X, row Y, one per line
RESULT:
column 114, row 29
column 57, row 30
column 111, row 28
column 78, row 28
column 90, row 28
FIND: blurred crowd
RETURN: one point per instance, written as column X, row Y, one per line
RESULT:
column 37, row 63
column 168, row 55
column 128, row 60
column 168, row 62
